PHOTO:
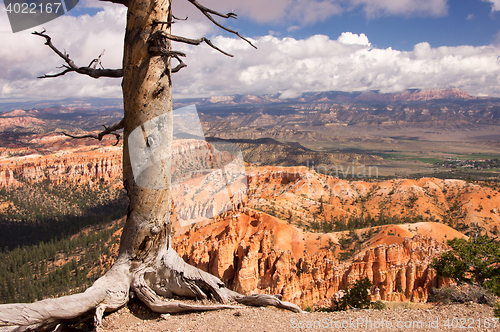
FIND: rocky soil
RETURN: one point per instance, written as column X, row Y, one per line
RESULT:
column 458, row 317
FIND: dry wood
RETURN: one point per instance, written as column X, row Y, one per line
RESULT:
column 207, row 11
column 194, row 42
column 71, row 67
column 107, row 131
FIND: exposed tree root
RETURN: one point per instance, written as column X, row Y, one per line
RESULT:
column 109, row 292
column 175, row 277
column 170, row 277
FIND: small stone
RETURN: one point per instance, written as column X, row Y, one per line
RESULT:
column 165, row 316
column 237, row 314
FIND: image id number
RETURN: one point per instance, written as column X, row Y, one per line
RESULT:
column 33, row 8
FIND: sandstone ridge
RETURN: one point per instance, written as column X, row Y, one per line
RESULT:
column 257, row 253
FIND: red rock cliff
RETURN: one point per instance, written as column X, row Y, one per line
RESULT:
column 74, row 166
column 256, row 253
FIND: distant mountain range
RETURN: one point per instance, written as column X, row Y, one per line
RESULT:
column 322, row 108
column 406, row 96
column 413, row 95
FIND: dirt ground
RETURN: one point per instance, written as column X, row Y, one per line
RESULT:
column 458, row 317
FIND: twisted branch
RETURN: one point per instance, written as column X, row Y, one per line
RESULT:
column 107, row 131
column 179, row 66
column 207, row 11
column 70, row 65
column 194, row 42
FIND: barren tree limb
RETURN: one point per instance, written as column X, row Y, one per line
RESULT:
column 48, row 42
column 107, row 131
column 175, row 19
column 173, row 54
column 72, row 67
column 164, row 51
column 211, row 11
column 194, row 42
column 207, row 11
column 56, row 75
column 179, row 66
column 179, row 19
column 94, row 73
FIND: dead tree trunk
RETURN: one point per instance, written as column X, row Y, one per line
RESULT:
column 146, row 264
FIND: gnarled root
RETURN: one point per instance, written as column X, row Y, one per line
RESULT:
column 109, row 292
column 172, row 276
column 260, row 300
column 167, row 276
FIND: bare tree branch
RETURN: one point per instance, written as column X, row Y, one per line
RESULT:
column 107, row 131
column 179, row 66
column 211, row 11
column 163, row 51
column 207, row 11
column 159, row 47
column 179, row 19
column 175, row 19
column 55, row 75
column 194, row 42
column 173, row 54
column 72, row 67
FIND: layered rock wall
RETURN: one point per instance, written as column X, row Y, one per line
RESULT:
column 71, row 167
column 246, row 253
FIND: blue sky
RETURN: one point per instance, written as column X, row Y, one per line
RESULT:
column 303, row 45
column 465, row 22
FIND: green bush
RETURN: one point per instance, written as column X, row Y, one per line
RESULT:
column 473, row 261
column 378, row 305
column 357, row 296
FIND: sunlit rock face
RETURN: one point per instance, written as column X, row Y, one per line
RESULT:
column 256, row 253
column 70, row 166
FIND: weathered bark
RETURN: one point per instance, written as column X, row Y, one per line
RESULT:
column 146, row 263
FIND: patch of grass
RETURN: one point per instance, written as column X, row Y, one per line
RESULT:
column 390, row 155
column 428, row 160
column 478, row 156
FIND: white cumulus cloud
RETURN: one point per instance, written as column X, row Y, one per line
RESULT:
column 349, row 38
column 321, row 64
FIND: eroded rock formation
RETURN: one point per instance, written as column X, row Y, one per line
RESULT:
column 77, row 167
column 256, row 253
